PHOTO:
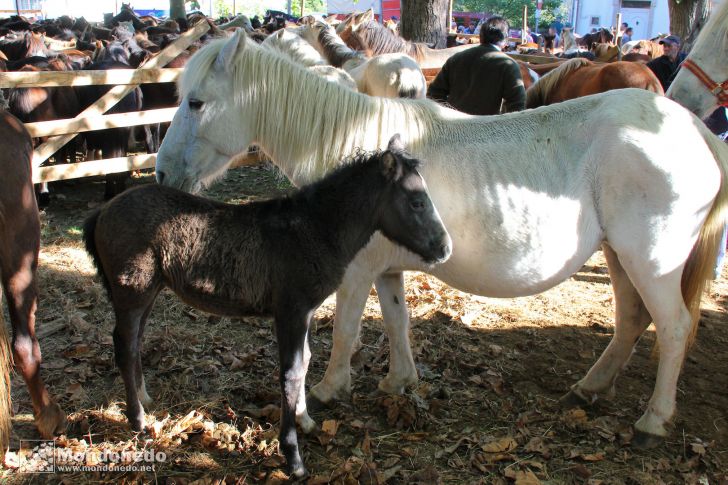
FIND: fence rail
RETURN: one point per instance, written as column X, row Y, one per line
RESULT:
column 92, row 118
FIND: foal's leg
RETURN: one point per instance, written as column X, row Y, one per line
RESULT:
column 126, row 353
column 18, row 263
column 631, row 320
column 302, row 418
column 292, row 329
column 138, row 373
column 402, row 371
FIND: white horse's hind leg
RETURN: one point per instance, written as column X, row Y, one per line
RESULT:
column 631, row 320
column 662, row 297
column 402, row 371
column 672, row 323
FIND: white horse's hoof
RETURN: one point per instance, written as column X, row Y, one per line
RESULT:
column 321, row 396
column 395, row 386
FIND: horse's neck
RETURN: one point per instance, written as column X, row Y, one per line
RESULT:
column 345, row 210
column 338, row 53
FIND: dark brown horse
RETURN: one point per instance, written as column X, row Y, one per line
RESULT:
column 601, row 36
column 19, row 247
column 580, row 77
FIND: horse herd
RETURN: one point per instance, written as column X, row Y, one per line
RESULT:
column 518, row 202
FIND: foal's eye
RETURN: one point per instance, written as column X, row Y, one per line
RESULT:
column 195, row 104
column 417, row 204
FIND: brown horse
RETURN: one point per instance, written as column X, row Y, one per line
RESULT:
column 19, row 247
column 580, row 77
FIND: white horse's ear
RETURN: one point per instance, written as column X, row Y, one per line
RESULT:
column 227, row 55
column 396, row 143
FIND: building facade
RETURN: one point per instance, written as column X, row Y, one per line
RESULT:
column 648, row 18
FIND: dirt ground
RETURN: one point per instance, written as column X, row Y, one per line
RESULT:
column 485, row 410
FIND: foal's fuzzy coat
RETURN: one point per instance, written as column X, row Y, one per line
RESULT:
column 280, row 257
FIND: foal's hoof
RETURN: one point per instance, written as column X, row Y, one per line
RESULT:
column 297, row 473
column 646, row 440
column 51, row 421
column 314, row 404
column 573, row 400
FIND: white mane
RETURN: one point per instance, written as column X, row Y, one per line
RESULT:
column 294, row 47
column 353, row 120
column 713, row 37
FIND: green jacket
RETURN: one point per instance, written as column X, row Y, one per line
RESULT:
column 476, row 80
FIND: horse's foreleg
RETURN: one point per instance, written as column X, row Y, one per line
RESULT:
column 18, row 281
column 350, row 300
column 402, row 371
column 631, row 320
column 292, row 330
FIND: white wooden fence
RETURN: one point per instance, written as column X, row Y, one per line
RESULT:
column 92, row 118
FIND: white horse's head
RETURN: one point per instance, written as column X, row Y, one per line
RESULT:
column 708, row 53
column 210, row 126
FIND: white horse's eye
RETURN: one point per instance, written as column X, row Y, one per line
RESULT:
column 195, row 104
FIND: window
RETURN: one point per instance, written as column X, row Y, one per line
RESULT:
column 595, row 20
column 636, row 3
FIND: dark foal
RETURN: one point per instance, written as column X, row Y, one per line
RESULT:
column 19, row 246
column 280, row 257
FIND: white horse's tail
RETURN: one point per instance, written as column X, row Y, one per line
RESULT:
column 699, row 268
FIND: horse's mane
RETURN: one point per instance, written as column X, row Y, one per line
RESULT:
column 717, row 22
column 381, row 40
column 352, row 119
column 296, row 48
column 539, row 92
column 335, row 50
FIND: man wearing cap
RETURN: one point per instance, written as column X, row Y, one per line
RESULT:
column 667, row 64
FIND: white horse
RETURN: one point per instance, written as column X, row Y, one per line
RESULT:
column 701, row 85
column 394, row 75
column 527, row 198
column 304, row 53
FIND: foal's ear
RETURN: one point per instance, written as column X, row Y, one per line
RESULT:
column 391, row 165
column 229, row 51
column 396, row 143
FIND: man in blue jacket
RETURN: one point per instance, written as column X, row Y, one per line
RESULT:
column 665, row 67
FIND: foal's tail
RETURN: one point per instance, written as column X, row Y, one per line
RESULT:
column 6, row 357
column 89, row 239
column 699, row 268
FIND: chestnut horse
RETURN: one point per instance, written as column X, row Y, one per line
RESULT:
column 19, row 247
column 581, row 77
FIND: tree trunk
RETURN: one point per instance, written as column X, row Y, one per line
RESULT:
column 177, row 9
column 425, row 21
column 687, row 18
